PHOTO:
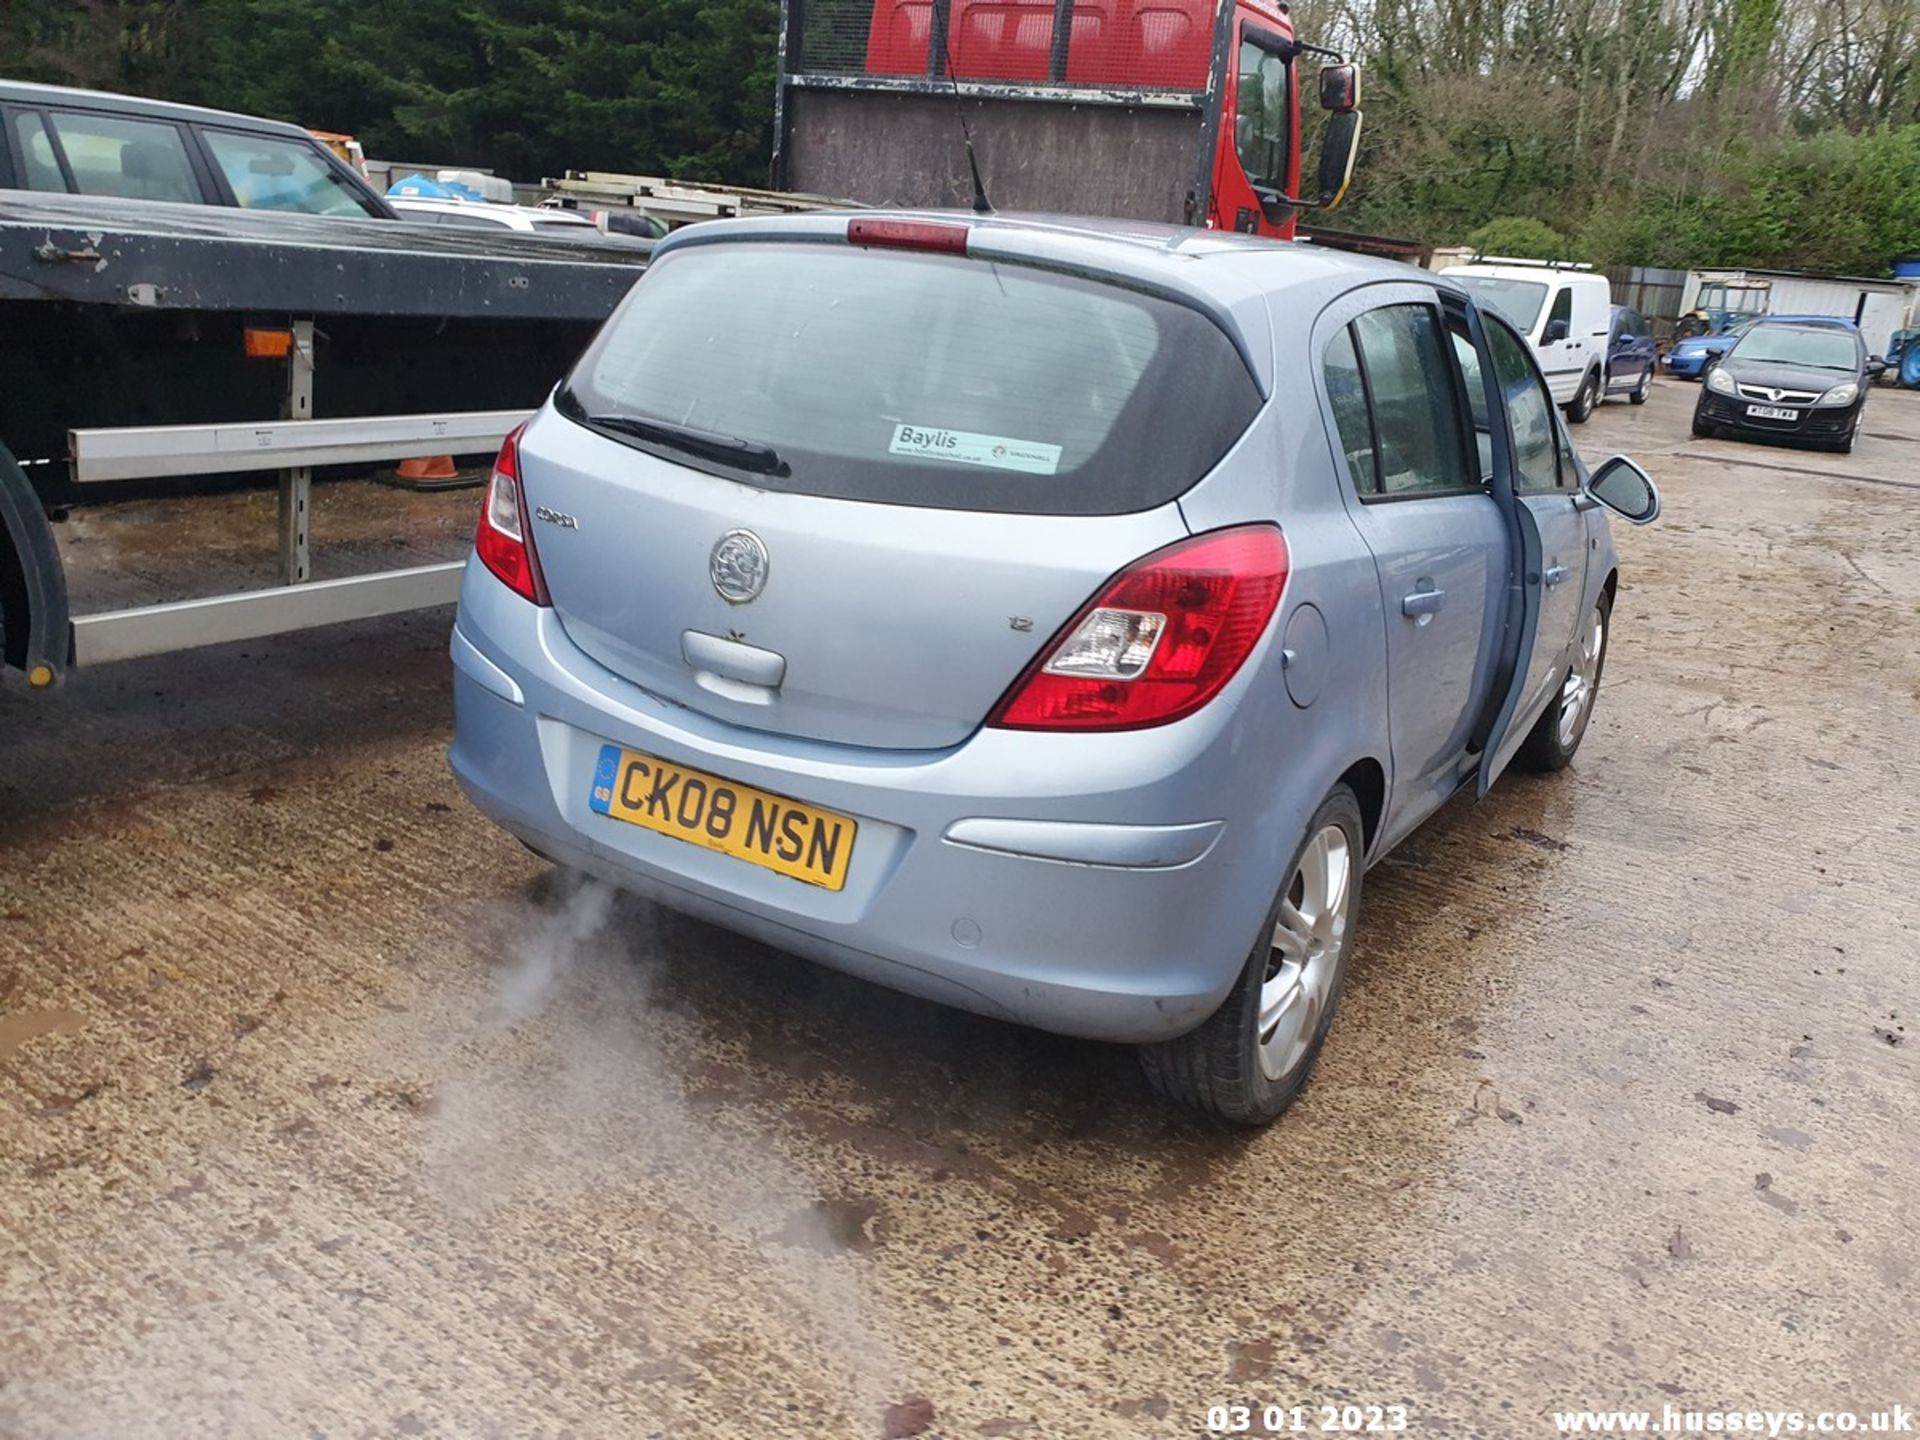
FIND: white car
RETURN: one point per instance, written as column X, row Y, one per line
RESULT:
column 1563, row 311
column 482, row 215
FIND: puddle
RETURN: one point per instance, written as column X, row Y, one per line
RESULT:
column 17, row 1030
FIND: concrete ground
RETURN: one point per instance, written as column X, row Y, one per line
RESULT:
column 325, row 1112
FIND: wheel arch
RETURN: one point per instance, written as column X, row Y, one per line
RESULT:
column 34, row 632
column 1367, row 778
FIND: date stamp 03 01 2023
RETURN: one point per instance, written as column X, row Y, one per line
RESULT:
column 1240, row 1419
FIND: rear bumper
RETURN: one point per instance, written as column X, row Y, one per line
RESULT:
column 1106, row 886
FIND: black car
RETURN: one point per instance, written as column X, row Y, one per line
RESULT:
column 89, row 142
column 1788, row 381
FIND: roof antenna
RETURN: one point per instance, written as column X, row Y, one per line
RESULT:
column 981, row 205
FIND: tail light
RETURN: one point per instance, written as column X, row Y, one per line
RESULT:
column 1160, row 641
column 504, row 540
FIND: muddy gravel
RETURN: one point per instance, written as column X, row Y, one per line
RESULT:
column 326, row 1111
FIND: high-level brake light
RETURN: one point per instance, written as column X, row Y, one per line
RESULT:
column 942, row 236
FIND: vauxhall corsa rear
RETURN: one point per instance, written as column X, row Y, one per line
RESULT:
column 970, row 604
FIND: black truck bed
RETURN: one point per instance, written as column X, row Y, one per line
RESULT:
column 127, row 312
column 157, row 255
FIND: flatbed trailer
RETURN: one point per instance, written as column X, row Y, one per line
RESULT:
column 149, row 347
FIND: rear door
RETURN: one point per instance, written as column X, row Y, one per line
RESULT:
column 1439, row 540
column 1546, row 484
column 916, row 467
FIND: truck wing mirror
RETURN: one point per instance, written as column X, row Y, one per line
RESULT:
column 1339, row 148
column 1340, row 88
column 1277, row 207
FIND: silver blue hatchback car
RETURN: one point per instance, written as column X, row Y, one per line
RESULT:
column 1051, row 618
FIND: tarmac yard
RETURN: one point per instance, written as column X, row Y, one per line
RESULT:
column 325, row 1110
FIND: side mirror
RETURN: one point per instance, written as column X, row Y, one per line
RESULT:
column 1556, row 330
column 1339, row 88
column 1339, row 148
column 1627, row 490
column 1876, row 366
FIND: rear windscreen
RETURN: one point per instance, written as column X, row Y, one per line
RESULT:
column 922, row 379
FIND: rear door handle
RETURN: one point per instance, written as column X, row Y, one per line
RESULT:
column 1555, row 574
column 1423, row 603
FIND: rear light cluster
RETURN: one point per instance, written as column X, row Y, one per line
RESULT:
column 503, row 541
column 1161, row 640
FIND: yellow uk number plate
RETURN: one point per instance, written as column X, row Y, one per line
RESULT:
column 766, row 830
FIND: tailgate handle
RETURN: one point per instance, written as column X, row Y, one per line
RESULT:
column 733, row 659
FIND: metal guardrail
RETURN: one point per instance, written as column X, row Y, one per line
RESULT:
column 293, row 447
column 146, row 452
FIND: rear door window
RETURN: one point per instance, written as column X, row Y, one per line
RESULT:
column 923, row 379
column 270, row 172
column 120, row 156
column 36, row 151
column 1397, row 404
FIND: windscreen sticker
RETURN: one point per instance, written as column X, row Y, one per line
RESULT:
column 964, row 447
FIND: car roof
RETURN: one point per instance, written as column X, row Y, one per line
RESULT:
column 1831, row 322
column 20, row 92
column 1221, row 266
column 1543, row 273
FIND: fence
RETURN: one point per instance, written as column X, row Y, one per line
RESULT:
column 1656, row 294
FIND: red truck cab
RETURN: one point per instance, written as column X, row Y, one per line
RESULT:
column 1236, row 59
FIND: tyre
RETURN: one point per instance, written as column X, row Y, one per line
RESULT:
column 1844, row 445
column 1584, row 399
column 1247, row 1062
column 1701, row 429
column 1557, row 734
column 1638, row 395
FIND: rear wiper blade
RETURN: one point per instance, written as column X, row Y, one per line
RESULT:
column 742, row 454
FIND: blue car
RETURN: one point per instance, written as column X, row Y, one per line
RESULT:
column 1051, row 618
column 1691, row 358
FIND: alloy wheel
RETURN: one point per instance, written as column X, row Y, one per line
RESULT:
column 1304, row 962
column 1576, row 694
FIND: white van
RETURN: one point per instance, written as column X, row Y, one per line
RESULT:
column 1563, row 311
